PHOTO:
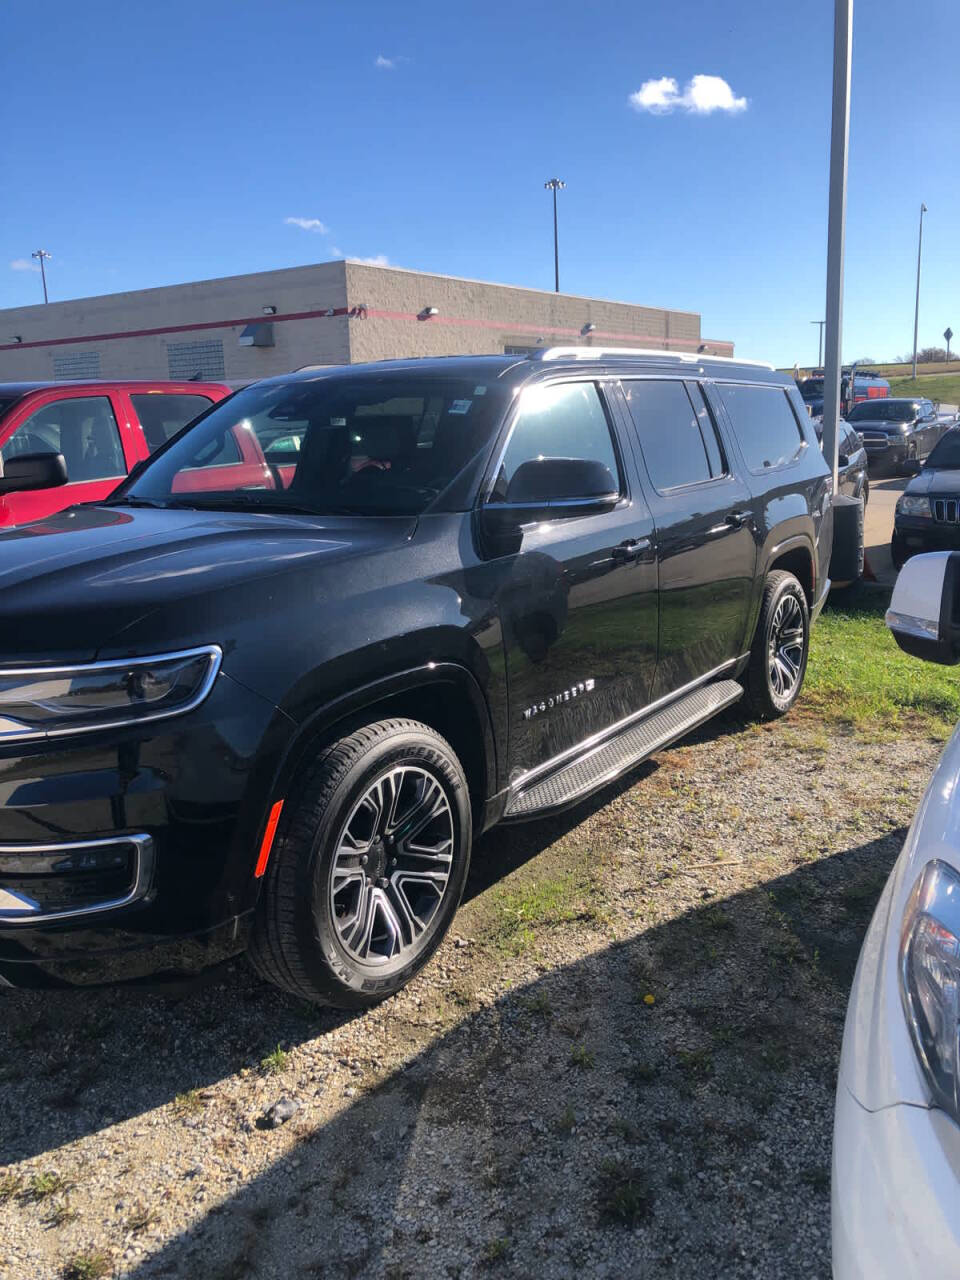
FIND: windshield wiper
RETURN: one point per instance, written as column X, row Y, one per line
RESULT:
column 243, row 502
column 129, row 501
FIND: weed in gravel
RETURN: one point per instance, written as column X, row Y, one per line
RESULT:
column 817, row 1177
column 274, row 1063
column 142, row 1217
column 643, row 1072
column 189, row 1103
column 696, row 1064
column 539, row 1004
column 60, row 1214
column 717, row 919
column 568, row 1120
column 581, row 1056
column 495, row 1251
column 43, row 1185
column 10, row 1185
column 624, row 1194
column 520, row 911
column 87, row 1266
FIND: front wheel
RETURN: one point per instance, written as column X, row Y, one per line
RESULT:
column 368, row 866
column 778, row 657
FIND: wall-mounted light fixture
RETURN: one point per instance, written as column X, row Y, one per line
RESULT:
column 587, row 328
column 428, row 312
column 269, row 311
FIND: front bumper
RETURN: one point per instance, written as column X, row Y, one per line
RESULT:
column 887, row 454
column 895, row 1202
column 131, row 852
column 915, row 534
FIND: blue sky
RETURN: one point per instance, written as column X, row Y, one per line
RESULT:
column 151, row 144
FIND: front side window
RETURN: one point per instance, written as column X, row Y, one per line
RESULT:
column 670, row 433
column 765, row 425
column 162, row 415
column 82, row 428
column 354, row 444
column 562, row 420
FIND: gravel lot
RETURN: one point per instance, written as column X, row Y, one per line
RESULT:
column 621, row 1063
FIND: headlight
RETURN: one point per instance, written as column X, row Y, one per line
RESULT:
column 930, row 979
column 912, row 505
column 42, row 702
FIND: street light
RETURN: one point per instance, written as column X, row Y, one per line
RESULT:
column 555, row 185
column 40, row 254
column 916, row 311
column 821, row 323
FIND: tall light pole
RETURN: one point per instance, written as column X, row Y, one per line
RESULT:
column 821, row 323
column 41, row 254
column 916, row 310
column 555, row 185
column 836, row 226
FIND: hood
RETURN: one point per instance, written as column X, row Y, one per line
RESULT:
column 71, row 582
column 932, row 480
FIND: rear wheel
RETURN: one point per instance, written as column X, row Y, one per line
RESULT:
column 778, row 658
column 368, row 866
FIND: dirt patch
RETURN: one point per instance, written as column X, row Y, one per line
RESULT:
column 622, row 1061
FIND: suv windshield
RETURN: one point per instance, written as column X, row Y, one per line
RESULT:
column 946, row 453
column 812, row 388
column 346, row 444
column 883, row 411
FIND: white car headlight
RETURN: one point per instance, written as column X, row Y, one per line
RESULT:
column 930, row 979
column 912, row 504
column 44, row 702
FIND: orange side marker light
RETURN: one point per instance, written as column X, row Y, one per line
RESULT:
column 267, row 843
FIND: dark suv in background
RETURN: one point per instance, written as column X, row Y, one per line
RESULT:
column 274, row 715
column 897, row 433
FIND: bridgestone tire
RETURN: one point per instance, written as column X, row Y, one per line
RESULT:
column 762, row 699
column 295, row 943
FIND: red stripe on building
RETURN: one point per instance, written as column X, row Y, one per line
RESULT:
column 330, row 313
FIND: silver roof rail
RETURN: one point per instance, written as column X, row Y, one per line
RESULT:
column 686, row 357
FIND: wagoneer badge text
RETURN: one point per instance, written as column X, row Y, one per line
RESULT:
column 575, row 691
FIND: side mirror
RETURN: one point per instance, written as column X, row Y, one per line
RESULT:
column 924, row 613
column 842, row 460
column 33, row 471
column 546, row 489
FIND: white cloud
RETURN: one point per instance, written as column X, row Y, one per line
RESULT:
column 384, row 64
column 337, row 253
column 702, row 95
column 308, row 224
column 380, row 260
column 24, row 264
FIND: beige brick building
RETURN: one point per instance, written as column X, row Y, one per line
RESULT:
column 252, row 326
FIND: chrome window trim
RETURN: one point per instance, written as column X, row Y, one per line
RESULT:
column 142, row 881
column 212, row 651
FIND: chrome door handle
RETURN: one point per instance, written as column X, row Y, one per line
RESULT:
column 737, row 519
column 632, row 549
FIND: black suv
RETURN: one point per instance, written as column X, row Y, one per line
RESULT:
column 272, row 711
column 897, row 434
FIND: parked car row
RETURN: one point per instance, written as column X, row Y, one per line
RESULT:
column 85, row 437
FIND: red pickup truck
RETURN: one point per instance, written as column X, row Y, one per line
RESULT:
column 99, row 430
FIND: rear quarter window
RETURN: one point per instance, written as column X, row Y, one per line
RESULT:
column 764, row 423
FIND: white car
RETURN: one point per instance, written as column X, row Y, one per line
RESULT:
column 896, row 1138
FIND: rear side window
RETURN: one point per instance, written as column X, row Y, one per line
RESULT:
column 672, row 433
column 162, row 415
column 765, row 424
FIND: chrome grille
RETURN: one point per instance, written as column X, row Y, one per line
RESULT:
column 946, row 510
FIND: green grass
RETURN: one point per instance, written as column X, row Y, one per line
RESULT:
column 87, row 1266
column 858, row 676
column 274, row 1063
column 937, row 386
column 533, row 904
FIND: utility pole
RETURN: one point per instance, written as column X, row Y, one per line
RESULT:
column 821, row 323
column 41, row 254
column 555, row 185
column 836, row 227
column 916, row 310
